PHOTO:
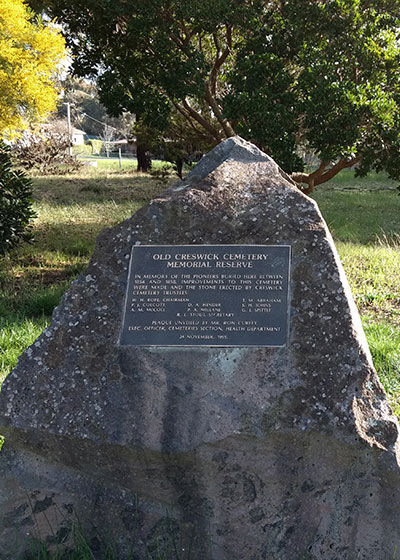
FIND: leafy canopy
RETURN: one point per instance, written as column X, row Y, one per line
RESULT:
column 282, row 73
column 30, row 52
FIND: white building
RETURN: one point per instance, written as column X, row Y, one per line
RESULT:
column 78, row 136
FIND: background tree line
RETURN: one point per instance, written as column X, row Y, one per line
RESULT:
column 292, row 76
column 284, row 74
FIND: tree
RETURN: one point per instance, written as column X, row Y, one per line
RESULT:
column 30, row 53
column 87, row 112
column 45, row 149
column 320, row 74
column 181, row 144
column 15, row 203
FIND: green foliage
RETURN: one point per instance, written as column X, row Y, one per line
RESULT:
column 82, row 150
column 96, row 145
column 326, row 72
column 321, row 74
column 15, row 204
column 262, row 99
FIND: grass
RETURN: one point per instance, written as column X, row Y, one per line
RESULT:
column 374, row 275
column 127, row 163
column 71, row 211
column 384, row 343
column 15, row 334
column 361, row 217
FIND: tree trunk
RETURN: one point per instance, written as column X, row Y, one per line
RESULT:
column 143, row 157
column 179, row 166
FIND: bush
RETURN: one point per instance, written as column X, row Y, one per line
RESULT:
column 163, row 173
column 15, row 203
column 97, row 146
column 82, row 150
column 46, row 150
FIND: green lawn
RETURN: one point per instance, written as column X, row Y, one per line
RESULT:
column 127, row 163
column 71, row 211
column 363, row 215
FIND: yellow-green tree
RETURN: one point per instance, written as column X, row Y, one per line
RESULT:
column 30, row 53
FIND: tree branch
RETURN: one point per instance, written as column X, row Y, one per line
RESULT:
column 320, row 175
column 217, row 44
column 227, row 128
column 200, row 44
column 334, row 170
column 202, row 121
column 186, row 116
column 179, row 42
column 220, row 58
column 187, row 35
column 211, row 85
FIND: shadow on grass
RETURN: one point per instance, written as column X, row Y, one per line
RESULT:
column 68, row 239
column 119, row 188
column 29, row 304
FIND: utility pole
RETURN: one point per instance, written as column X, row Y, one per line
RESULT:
column 69, row 128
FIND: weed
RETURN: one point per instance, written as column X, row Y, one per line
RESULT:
column 162, row 173
column 388, row 240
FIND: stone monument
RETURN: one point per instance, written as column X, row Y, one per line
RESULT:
column 205, row 388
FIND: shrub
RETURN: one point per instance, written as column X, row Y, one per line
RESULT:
column 15, row 203
column 82, row 150
column 163, row 173
column 97, row 146
column 45, row 150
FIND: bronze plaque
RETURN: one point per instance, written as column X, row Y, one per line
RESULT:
column 207, row 295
